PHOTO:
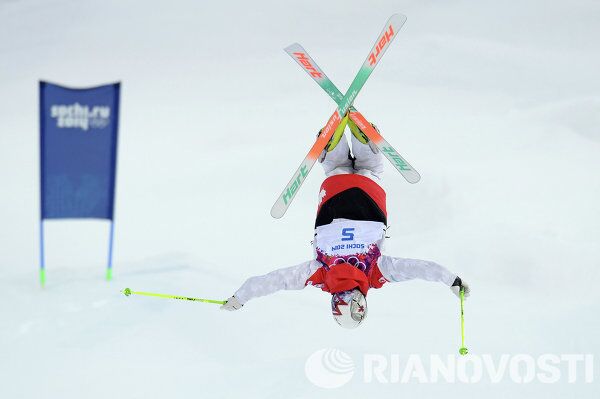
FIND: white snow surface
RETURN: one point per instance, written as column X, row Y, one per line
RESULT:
column 497, row 104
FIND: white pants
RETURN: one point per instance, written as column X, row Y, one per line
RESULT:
column 365, row 163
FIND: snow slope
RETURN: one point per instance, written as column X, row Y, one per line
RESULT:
column 496, row 104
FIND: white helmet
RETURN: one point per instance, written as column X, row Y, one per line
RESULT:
column 349, row 308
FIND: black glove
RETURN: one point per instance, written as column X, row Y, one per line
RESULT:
column 459, row 285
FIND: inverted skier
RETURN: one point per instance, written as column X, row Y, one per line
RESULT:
column 350, row 229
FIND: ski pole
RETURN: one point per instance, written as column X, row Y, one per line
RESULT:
column 128, row 292
column 463, row 349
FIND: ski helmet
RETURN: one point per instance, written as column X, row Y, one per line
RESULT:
column 349, row 308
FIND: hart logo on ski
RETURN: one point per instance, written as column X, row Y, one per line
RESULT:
column 305, row 61
column 292, row 188
column 398, row 161
column 383, row 41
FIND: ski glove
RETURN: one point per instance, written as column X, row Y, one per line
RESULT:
column 458, row 285
column 232, row 304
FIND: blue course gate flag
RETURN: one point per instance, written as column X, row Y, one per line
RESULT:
column 78, row 156
column 78, row 151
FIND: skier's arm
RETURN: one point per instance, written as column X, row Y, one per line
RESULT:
column 402, row 269
column 289, row 278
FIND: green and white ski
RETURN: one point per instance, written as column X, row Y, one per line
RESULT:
column 388, row 34
column 299, row 54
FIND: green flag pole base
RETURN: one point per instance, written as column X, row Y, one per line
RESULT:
column 463, row 349
column 129, row 292
column 109, row 274
column 42, row 277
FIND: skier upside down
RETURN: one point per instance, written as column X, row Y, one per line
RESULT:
column 350, row 229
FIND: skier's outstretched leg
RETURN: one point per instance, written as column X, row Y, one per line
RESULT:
column 368, row 160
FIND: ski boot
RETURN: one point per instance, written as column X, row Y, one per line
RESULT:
column 360, row 136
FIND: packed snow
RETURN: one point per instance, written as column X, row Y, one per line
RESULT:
column 496, row 104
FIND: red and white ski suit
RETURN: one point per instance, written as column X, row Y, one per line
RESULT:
column 347, row 255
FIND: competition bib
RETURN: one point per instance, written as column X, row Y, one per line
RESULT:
column 348, row 237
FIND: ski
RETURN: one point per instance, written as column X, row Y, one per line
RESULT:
column 386, row 36
column 299, row 54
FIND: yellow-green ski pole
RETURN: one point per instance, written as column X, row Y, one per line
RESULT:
column 463, row 349
column 128, row 292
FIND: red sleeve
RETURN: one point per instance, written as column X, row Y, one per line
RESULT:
column 376, row 279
